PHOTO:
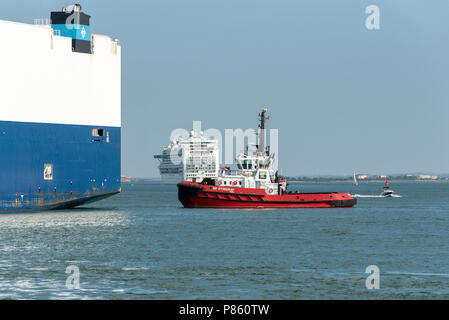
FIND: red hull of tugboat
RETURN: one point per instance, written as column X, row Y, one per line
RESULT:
column 194, row 195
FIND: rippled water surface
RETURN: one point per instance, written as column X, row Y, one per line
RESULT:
column 142, row 244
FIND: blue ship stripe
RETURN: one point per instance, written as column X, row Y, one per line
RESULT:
column 82, row 164
column 74, row 31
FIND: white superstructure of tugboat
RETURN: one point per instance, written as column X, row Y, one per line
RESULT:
column 255, row 170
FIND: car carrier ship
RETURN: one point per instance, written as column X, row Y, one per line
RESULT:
column 255, row 185
column 60, row 113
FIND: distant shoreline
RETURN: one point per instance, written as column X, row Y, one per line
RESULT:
column 443, row 180
column 367, row 180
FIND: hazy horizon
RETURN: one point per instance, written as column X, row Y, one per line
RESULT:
column 440, row 175
column 344, row 98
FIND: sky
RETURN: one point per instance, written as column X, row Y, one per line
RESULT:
column 344, row 98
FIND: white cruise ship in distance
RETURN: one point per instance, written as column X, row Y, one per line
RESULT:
column 191, row 159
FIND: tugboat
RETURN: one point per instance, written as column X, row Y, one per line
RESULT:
column 255, row 185
column 387, row 192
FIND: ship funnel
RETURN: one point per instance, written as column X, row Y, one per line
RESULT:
column 70, row 22
column 73, row 7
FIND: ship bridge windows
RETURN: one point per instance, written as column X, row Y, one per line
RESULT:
column 247, row 164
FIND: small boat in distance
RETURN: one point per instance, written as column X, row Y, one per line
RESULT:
column 355, row 180
column 387, row 192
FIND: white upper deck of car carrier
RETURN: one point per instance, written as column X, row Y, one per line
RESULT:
column 42, row 80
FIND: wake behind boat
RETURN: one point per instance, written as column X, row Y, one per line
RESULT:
column 386, row 193
column 255, row 185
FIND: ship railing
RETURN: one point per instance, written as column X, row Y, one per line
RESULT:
column 225, row 173
column 42, row 21
column 27, row 201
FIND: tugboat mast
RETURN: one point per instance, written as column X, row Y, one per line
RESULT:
column 261, row 134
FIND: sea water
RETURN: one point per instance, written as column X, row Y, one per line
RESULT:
column 142, row 244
